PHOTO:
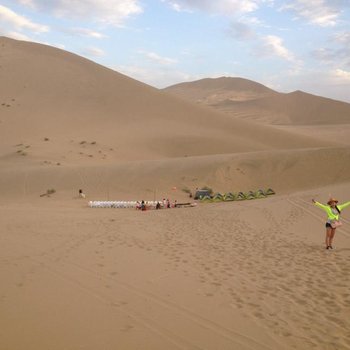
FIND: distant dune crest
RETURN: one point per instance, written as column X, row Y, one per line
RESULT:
column 247, row 99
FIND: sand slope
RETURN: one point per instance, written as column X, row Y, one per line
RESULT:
column 284, row 171
column 51, row 94
column 66, row 121
column 250, row 100
column 248, row 275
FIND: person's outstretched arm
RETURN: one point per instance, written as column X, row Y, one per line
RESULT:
column 343, row 206
column 322, row 206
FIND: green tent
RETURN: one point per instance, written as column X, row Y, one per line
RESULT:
column 240, row 196
column 206, row 199
column 229, row 197
column 218, row 197
column 260, row 194
column 269, row 192
column 250, row 195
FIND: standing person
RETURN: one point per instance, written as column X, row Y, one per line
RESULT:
column 143, row 205
column 333, row 212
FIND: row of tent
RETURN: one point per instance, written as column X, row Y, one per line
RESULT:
column 240, row 196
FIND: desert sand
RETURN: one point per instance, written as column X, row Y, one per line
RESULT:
column 242, row 99
column 233, row 275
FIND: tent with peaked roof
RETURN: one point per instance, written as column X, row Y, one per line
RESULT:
column 206, row 199
column 240, row 196
column 250, row 195
column 229, row 196
column 218, row 197
column 260, row 194
column 269, row 192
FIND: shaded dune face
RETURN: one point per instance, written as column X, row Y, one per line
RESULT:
column 88, row 125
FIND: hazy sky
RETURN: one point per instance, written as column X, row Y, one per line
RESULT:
column 284, row 44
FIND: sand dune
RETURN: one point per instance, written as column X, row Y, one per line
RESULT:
column 51, row 94
column 211, row 91
column 250, row 100
column 251, row 275
column 60, row 112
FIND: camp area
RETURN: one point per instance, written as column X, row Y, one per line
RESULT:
column 207, row 196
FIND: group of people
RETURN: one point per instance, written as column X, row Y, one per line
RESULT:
column 165, row 203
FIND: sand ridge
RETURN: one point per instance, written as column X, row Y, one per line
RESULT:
column 248, row 100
